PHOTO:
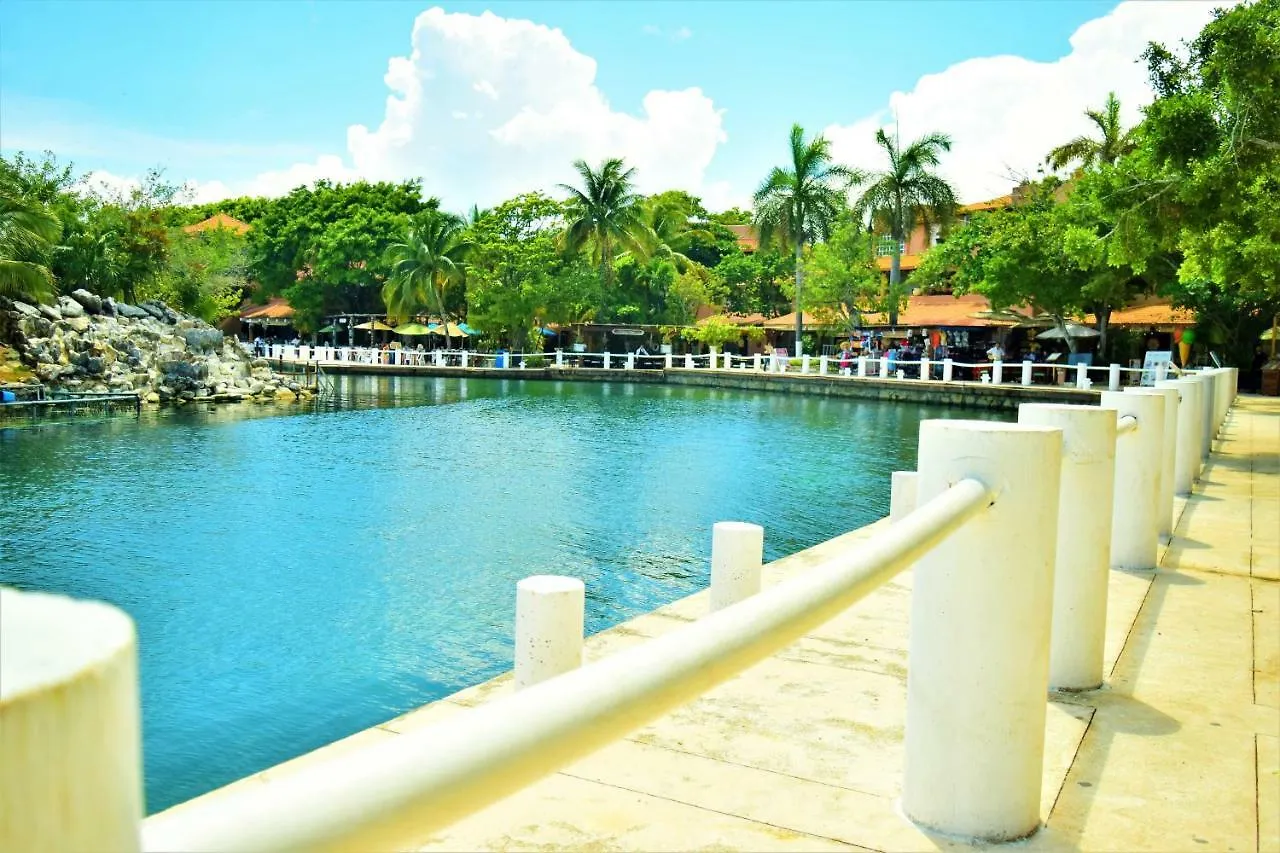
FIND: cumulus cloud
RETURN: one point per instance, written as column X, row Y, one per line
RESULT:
column 485, row 107
column 1004, row 113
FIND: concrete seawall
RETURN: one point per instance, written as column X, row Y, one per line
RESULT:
column 976, row 394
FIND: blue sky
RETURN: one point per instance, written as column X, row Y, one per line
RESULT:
column 220, row 93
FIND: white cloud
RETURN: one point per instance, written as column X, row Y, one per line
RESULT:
column 1004, row 113
column 485, row 107
column 674, row 34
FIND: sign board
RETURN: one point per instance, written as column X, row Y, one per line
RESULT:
column 1153, row 359
column 631, row 333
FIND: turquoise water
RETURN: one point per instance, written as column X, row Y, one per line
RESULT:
column 299, row 576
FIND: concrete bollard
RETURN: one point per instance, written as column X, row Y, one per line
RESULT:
column 549, row 622
column 948, row 368
column 466, row 357
column 712, row 355
column 559, row 358
column 981, row 606
column 1186, row 453
column 1210, row 427
column 862, row 367
column 688, row 361
column 902, row 494
column 1026, row 373
column 737, row 554
column 728, row 360
column 631, row 361
column 804, row 364
column 666, row 361
column 924, row 370
column 1135, row 519
column 71, row 777
column 608, row 361
column 822, row 365
column 997, row 372
column 884, row 367
column 755, row 362
column 1081, row 567
column 1113, row 377
column 1082, row 376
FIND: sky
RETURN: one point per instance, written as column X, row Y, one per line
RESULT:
column 485, row 100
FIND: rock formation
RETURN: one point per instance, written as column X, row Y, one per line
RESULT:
column 90, row 344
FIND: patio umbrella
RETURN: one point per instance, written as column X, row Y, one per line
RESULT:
column 329, row 329
column 1073, row 330
column 550, row 333
column 375, row 326
column 454, row 331
column 413, row 329
column 470, row 331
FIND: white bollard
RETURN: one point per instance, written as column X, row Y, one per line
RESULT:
column 1113, row 377
column 666, row 362
column 711, row 359
column 1135, row 519
column 1210, row 389
column 924, row 370
column 608, row 360
column 822, row 365
column 549, row 622
column 737, row 554
column 1026, row 372
column 902, row 494
column 1186, row 453
column 755, row 362
column 560, row 358
column 688, row 361
column 884, row 367
column 997, row 372
column 948, row 368
column 804, row 364
column 728, row 360
column 466, row 357
column 981, row 606
column 71, row 776
column 631, row 361
column 1082, row 376
column 1081, row 569
column 862, row 367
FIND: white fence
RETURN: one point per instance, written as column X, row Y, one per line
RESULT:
column 1024, row 373
column 982, row 654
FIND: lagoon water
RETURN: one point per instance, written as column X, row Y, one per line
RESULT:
column 297, row 576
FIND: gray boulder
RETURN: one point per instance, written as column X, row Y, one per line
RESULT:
column 25, row 309
column 50, row 313
column 68, row 307
column 132, row 312
column 109, row 307
column 90, row 302
column 202, row 340
column 77, row 324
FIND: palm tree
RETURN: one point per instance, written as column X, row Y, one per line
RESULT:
column 27, row 232
column 674, row 217
column 798, row 205
column 605, row 216
column 1115, row 141
column 430, row 258
column 906, row 193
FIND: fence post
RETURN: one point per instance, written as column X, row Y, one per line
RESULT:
column 1026, row 372
column 979, row 652
column 549, row 621
column 1081, row 569
column 1113, row 377
column 1135, row 519
column 631, row 361
column 997, row 372
column 737, row 554
column 884, row 367
column 688, row 361
column 559, row 358
column 467, row 353
column 924, row 369
column 728, row 360
column 862, row 367
column 948, row 367
column 902, row 494
column 1082, row 376
column 71, row 778
column 1186, row 452
column 1209, row 425
column 713, row 355
column 804, row 363
column 755, row 362
column 608, row 360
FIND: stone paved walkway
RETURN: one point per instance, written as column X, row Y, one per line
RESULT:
column 804, row 752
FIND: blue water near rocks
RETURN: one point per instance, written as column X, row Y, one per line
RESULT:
column 297, row 576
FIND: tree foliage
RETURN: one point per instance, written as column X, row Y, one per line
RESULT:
column 605, row 216
column 842, row 279
column 1113, row 142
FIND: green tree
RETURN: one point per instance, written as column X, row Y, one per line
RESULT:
column 206, row 273
column 909, row 191
column 429, row 259
column 1115, row 141
column 842, row 279
column 605, row 217
column 27, row 233
column 798, row 204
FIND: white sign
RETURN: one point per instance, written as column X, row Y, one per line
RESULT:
column 1151, row 363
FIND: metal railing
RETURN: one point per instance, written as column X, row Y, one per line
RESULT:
column 981, row 600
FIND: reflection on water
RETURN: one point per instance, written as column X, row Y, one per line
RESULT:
column 298, row 575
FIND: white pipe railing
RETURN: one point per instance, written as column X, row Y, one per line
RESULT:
column 400, row 791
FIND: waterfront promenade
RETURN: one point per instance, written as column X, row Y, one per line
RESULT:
column 1179, row 751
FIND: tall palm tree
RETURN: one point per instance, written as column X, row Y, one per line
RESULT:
column 798, row 204
column 673, row 218
column 27, row 232
column 431, row 257
column 1115, row 141
column 606, row 216
column 906, row 193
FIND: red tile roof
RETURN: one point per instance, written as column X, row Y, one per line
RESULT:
column 748, row 240
column 277, row 308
